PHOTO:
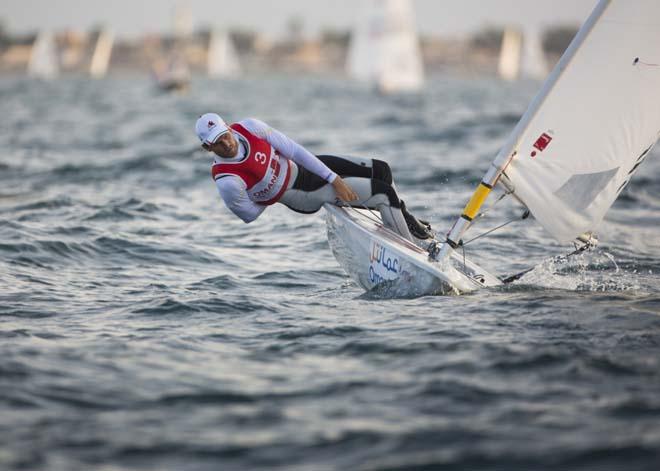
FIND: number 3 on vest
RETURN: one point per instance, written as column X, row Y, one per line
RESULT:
column 260, row 157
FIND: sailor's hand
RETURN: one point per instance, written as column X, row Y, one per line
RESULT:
column 343, row 191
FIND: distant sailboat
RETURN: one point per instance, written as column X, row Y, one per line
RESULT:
column 510, row 52
column 385, row 50
column 101, row 55
column 172, row 71
column 173, row 74
column 533, row 58
column 43, row 58
column 521, row 55
column 222, row 60
column 183, row 20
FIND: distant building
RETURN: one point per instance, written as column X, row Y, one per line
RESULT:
column 16, row 55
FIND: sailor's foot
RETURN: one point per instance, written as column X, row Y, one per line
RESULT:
column 426, row 223
column 418, row 229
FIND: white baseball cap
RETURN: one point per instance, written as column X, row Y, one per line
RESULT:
column 210, row 127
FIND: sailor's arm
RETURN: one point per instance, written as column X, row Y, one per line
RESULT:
column 289, row 148
column 234, row 193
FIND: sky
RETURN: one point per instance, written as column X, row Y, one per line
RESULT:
column 136, row 17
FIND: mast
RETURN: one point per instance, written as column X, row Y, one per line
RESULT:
column 508, row 151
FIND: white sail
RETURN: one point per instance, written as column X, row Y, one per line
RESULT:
column 533, row 63
column 593, row 123
column 385, row 48
column 101, row 56
column 361, row 63
column 222, row 59
column 521, row 55
column 183, row 20
column 173, row 73
column 43, row 57
column 510, row 51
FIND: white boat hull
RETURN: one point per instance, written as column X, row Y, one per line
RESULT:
column 377, row 258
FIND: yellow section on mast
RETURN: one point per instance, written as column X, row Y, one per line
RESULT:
column 477, row 200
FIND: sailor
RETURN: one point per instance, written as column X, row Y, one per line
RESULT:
column 255, row 166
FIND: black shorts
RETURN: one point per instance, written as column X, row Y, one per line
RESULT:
column 377, row 171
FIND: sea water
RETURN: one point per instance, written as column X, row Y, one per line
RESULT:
column 144, row 327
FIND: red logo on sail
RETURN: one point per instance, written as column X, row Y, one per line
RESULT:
column 541, row 143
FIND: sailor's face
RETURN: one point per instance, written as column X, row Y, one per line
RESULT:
column 225, row 146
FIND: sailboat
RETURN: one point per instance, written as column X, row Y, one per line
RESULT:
column 384, row 49
column 101, row 56
column 521, row 55
column 222, row 59
column 172, row 72
column 533, row 58
column 510, row 52
column 574, row 150
column 44, row 63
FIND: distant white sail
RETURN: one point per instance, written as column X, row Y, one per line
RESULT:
column 385, row 48
column 183, row 20
column 222, row 57
column 101, row 55
column 510, row 52
column 43, row 58
column 594, row 122
column 533, row 64
column 173, row 73
column 521, row 55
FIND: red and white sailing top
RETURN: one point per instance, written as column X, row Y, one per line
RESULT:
column 261, row 171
